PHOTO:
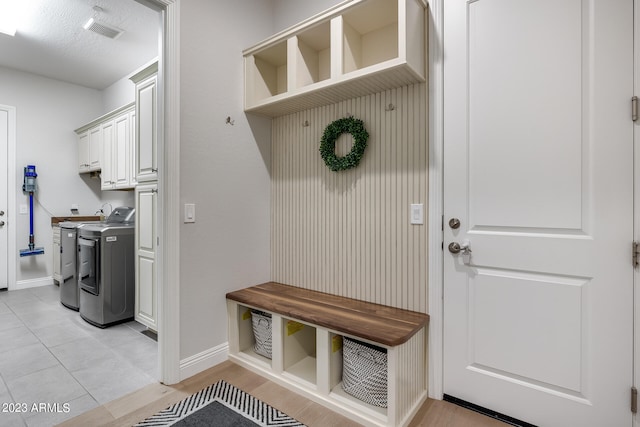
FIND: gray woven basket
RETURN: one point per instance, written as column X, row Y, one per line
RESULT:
column 364, row 372
column 261, row 323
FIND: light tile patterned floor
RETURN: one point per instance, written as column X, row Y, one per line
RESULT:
column 50, row 356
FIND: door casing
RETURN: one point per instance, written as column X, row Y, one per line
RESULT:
column 11, row 212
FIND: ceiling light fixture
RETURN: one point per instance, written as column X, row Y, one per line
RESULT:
column 10, row 12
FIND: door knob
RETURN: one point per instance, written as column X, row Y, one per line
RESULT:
column 456, row 248
column 1, row 213
column 1, row 223
column 454, row 223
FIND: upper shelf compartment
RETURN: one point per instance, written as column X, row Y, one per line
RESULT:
column 356, row 48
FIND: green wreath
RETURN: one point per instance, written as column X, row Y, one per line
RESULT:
column 350, row 125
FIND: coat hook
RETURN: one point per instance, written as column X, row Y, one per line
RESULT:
column 390, row 107
column 305, row 124
column 229, row 121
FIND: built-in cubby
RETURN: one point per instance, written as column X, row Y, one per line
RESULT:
column 312, row 55
column 354, row 49
column 369, row 34
column 308, row 358
column 267, row 72
column 246, row 338
column 299, row 352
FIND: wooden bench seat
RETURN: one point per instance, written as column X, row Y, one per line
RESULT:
column 307, row 332
column 374, row 322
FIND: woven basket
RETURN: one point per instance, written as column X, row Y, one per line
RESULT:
column 364, row 372
column 261, row 323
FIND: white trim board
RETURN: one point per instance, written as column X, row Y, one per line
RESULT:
column 11, row 201
column 209, row 358
column 168, row 275
column 32, row 283
column 436, row 207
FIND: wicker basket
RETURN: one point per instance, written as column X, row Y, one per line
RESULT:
column 261, row 323
column 364, row 372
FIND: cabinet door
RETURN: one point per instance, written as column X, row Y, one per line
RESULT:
column 146, row 133
column 95, row 148
column 146, row 240
column 106, row 161
column 83, row 152
column 122, row 152
column 132, row 148
column 57, row 277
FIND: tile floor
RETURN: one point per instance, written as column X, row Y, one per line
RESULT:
column 49, row 355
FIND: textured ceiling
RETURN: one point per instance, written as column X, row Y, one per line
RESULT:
column 51, row 42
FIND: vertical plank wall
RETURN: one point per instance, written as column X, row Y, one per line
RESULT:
column 348, row 233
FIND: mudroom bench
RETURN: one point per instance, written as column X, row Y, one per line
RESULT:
column 306, row 353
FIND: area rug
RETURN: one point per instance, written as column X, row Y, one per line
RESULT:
column 220, row 405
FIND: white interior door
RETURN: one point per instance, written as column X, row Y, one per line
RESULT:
column 539, row 171
column 6, row 132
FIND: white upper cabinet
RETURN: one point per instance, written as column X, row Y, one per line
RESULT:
column 146, row 153
column 83, row 152
column 95, row 148
column 106, row 144
column 353, row 49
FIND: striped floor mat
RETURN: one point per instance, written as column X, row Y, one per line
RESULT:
column 220, row 404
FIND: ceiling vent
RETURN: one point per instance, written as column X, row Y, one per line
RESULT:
column 102, row 28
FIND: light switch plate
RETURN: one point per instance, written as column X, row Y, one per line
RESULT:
column 23, row 210
column 189, row 212
column 417, row 213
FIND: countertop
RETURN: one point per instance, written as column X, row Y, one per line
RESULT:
column 57, row 219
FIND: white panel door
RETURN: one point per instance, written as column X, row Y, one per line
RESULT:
column 539, row 170
column 5, row 131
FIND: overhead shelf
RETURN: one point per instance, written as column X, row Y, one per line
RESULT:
column 354, row 49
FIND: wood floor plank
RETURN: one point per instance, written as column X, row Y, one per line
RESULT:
column 143, row 403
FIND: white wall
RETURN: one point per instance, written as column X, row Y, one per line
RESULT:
column 47, row 112
column 123, row 91
column 224, row 169
column 290, row 12
column 120, row 93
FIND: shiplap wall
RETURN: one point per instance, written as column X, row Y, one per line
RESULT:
column 348, row 233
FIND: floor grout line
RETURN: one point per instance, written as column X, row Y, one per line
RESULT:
column 46, row 297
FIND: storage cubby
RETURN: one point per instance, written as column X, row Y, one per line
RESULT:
column 267, row 72
column 370, row 34
column 355, row 48
column 246, row 339
column 308, row 347
column 312, row 55
column 337, row 391
column 299, row 350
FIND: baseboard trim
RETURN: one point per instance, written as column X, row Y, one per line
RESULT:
column 204, row 360
column 32, row 283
